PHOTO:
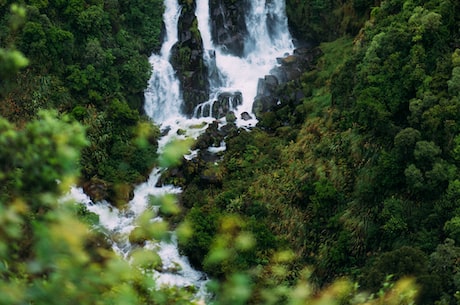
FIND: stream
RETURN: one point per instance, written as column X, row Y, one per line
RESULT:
column 267, row 39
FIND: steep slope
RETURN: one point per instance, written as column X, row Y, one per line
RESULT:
column 360, row 178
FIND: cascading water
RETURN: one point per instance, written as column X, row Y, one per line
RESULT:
column 234, row 77
column 163, row 91
column 268, row 38
column 162, row 104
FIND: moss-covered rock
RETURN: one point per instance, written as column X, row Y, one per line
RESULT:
column 187, row 60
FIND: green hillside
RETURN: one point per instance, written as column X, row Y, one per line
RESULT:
column 361, row 178
column 350, row 196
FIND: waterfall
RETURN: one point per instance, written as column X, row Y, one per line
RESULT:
column 162, row 104
column 268, row 38
column 234, row 79
column 268, row 33
column 163, row 91
column 118, row 224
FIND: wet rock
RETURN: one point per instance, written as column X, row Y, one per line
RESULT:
column 175, row 176
column 271, row 83
column 229, row 128
column 280, row 74
column 291, row 68
column 214, row 75
column 209, row 177
column 230, row 117
column 208, row 156
column 204, row 164
column 226, row 102
column 187, row 60
column 165, row 131
column 211, row 137
column 266, row 97
column 173, row 268
column 97, row 189
column 246, row 116
column 299, row 95
column 263, row 104
column 228, row 27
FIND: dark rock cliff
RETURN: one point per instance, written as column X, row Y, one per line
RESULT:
column 291, row 68
column 187, row 60
column 228, row 26
column 228, row 30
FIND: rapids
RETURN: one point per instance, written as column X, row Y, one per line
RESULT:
column 268, row 38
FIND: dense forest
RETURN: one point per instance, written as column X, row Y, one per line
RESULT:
column 89, row 60
column 349, row 196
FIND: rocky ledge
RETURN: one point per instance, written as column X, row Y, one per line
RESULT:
column 290, row 68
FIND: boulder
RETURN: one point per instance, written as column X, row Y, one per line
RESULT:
column 230, row 117
column 97, row 189
column 290, row 68
column 225, row 103
column 211, row 137
column 266, row 97
column 246, row 116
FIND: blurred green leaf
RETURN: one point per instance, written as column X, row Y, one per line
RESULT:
column 145, row 259
column 174, row 151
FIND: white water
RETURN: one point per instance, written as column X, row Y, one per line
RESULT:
column 162, row 104
column 262, row 47
column 163, row 91
column 118, row 224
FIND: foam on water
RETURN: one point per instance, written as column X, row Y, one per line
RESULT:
column 268, row 38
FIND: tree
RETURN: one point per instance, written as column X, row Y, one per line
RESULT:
column 94, row 22
column 454, row 82
column 399, row 263
column 45, row 249
column 425, row 153
column 405, row 141
column 444, row 263
column 10, row 63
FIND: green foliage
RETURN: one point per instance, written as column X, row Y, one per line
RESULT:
column 173, row 152
column 400, row 262
column 395, row 214
column 11, row 62
column 444, row 264
column 122, row 154
column 452, row 228
column 93, row 20
column 45, row 250
column 327, row 20
column 204, row 222
column 362, row 173
column 43, row 151
column 143, row 19
column 359, row 178
column 120, row 112
column 85, row 54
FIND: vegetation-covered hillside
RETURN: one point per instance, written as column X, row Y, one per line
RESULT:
column 88, row 59
column 359, row 180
